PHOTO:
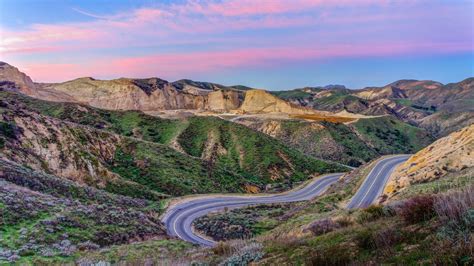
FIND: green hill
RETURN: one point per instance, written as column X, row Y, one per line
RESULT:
column 351, row 144
column 130, row 152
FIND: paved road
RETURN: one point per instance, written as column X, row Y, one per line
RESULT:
column 178, row 219
column 375, row 182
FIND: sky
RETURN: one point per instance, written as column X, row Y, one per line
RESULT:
column 269, row 44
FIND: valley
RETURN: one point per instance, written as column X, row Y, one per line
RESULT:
column 93, row 168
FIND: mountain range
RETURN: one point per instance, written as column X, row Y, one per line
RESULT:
column 88, row 164
column 436, row 107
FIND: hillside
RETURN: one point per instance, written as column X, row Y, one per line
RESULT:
column 438, row 108
column 352, row 144
column 154, row 95
column 175, row 157
column 43, row 216
column 433, row 226
column 127, row 94
column 450, row 154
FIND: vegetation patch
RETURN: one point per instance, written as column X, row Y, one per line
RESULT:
column 242, row 223
column 50, row 218
column 429, row 229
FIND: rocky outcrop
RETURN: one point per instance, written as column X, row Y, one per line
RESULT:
column 13, row 80
column 223, row 100
column 128, row 94
column 56, row 147
column 452, row 153
column 260, row 101
column 151, row 94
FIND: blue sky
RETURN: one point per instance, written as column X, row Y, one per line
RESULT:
column 271, row 44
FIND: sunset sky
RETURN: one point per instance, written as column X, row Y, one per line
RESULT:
column 271, row 44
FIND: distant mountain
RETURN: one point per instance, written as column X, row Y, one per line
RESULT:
column 154, row 94
column 439, row 108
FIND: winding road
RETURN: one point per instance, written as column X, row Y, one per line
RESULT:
column 179, row 218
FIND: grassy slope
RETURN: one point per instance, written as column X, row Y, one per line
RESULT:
column 389, row 135
column 46, row 216
column 355, row 143
column 248, row 152
column 292, row 94
column 244, row 156
column 164, row 170
column 401, row 234
column 147, row 169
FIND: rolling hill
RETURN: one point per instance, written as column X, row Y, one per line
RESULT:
column 438, row 108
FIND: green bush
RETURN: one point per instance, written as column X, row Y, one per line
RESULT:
column 7, row 129
column 365, row 239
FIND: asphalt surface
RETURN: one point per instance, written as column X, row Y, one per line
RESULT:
column 179, row 218
column 375, row 181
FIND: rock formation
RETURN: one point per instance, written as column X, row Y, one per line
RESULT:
column 260, row 101
column 452, row 153
column 14, row 80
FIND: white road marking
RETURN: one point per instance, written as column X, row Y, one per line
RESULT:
column 305, row 193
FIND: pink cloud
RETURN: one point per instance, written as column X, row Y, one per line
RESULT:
column 156, row 24
column 224, row 34
column 264, row 7
column 182, row 65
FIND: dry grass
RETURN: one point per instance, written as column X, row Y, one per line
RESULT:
column 323, row 226
column 453, row 206
column 418, row 209
column 332, row 119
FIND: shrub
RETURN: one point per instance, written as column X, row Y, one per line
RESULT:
column 418, row 209
column 246, row 252
column 370, row 214
column 7, row 129
column 321, row 227
column 344, row 221
column 456, row 212
column 453, row 206
column 386, row 238
column 222, row 248
column 389, row 210
column 365, row 239
column 333, row 255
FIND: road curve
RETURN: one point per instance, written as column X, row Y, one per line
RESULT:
column 179, row 218
column 375, row 181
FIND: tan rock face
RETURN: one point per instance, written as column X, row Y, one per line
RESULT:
column 223, row 100
column 452, row 153
column 152, row 95
column 128, row 94
column 260, row 101
column 125, row 94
